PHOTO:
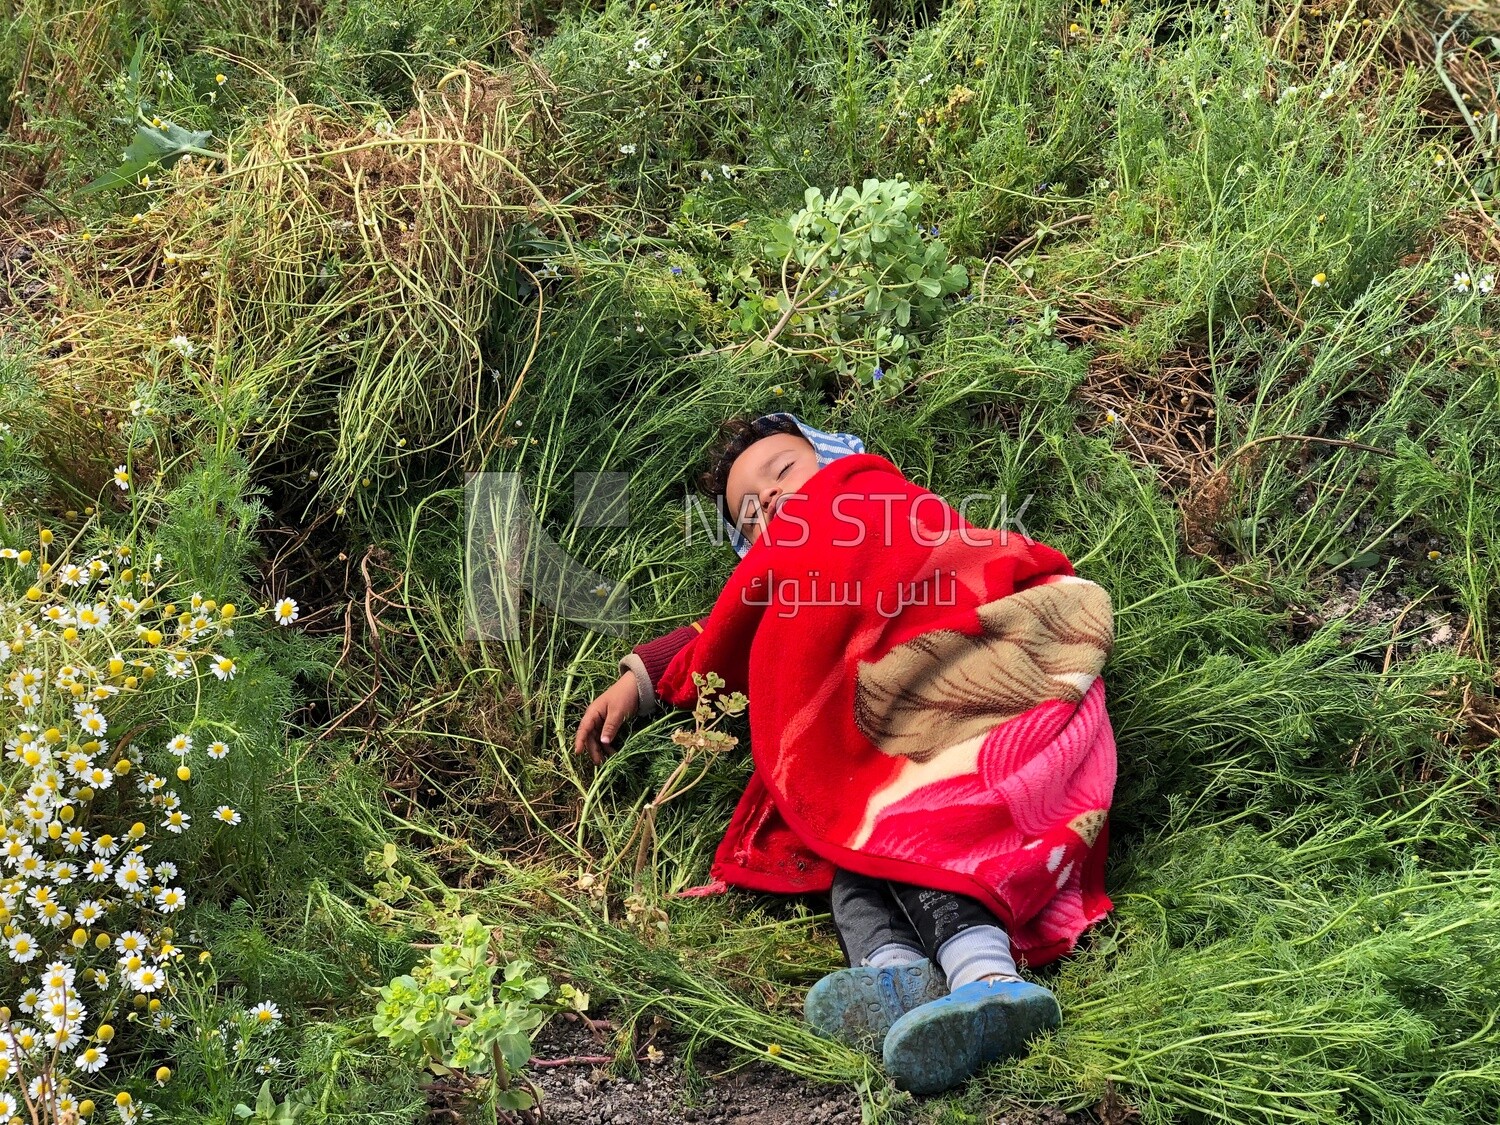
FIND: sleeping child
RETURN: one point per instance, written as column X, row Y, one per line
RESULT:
column 929, row 740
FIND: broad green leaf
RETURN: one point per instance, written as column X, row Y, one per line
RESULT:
column 152, row 147
column 514, row 1098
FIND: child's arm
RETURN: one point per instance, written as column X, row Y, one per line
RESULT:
column 649, row 660
column 633, row 693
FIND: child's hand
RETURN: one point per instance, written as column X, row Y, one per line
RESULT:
column 601, row 722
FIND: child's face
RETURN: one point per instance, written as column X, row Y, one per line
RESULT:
column 769, row 470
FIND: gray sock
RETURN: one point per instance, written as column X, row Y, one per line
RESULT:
column 977, row 952
column 891, row 954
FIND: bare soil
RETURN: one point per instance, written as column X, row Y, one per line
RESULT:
column 583, row 1092
column 758, row 1094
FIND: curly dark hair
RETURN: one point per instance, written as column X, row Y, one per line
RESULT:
column 734, row 437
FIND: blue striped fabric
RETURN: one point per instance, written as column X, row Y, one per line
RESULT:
column 828, row 446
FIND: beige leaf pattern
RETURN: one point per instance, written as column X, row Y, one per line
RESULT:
column 944, row 687
column 1088, row 824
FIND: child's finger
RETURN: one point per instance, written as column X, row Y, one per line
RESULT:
column 587, row 726
column 612, row 723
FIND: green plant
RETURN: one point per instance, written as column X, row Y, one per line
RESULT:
column 267, row 1111
column 158, row 142
column 702, row 742
column 865, row 280
column 105, row 677
column 464, row 1011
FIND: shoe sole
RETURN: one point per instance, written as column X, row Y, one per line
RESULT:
column 927, row 1052
column 848, row 1005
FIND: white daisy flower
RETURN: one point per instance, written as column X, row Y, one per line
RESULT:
column 265, row 1014
column 39, row 1088
column 148, row 978
column 170, row 899
column 132, row 873
column 227, row 815
column 22, row 947
column 21, row 1040
column 92, row 1060
column 218, row 750
column 63, row 1039
column 1462, row 282
column 285, row 611
column 92, row 616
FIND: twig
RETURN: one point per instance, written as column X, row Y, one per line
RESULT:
column 1301, row 437
column 364, row 570
column 574, row 1060
column 1390, row 649
column 1042, row 231
column 1437, row 63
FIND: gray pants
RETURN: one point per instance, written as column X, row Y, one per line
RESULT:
column 871, row 914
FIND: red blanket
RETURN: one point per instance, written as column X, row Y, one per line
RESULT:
column 924, row 706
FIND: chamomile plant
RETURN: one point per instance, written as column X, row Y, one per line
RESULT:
column 109, row 686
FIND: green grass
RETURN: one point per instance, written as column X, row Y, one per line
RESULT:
column 1212, row 332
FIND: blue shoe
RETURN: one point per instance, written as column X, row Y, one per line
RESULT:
column 937, row 1046
column 858, row 1006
